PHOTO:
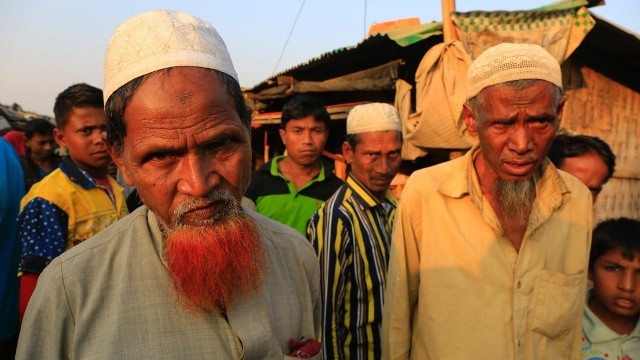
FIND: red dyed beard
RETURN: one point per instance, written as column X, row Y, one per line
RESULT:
column 211, row 264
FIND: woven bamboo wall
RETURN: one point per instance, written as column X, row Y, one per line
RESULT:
column 610, row 111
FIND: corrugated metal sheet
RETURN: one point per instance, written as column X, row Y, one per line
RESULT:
column 388, row 46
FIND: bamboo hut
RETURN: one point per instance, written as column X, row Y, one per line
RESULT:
column 601, row 76
column 611, row 111
column 600, row 68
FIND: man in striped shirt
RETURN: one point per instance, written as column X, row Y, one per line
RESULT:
column 351, row 233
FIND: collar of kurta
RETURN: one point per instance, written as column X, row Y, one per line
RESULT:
column 365, row 197
column 273, row 169
column 76, row 175
column 82, row 178
column 596, row 331
column 246, row 316
column 551, row 190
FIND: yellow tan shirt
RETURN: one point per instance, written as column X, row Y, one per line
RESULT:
column 458, row 289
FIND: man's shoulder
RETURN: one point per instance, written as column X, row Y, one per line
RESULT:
column 322, row 187
column 280, row 235
column 264, row 169
column 340, row 194
column 330, row 176
column 56, row 176
column 579, row 192
column 439, row 173
column 119, row 236
column 54, row 186
column 336, row 203
column 571, row 182
column 262, row 180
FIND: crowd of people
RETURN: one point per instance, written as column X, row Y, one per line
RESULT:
column 491, row 255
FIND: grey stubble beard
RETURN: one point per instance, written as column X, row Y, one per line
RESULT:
column 515, row 199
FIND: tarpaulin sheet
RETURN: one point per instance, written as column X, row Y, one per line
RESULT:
column 559, row 31
column 441, row 75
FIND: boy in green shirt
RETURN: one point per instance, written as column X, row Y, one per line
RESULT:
column 610, row 323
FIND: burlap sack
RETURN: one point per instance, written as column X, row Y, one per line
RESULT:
column 440, row 94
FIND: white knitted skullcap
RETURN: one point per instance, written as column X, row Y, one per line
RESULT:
column 507, row 62
column 162, row 39
column 373, row 117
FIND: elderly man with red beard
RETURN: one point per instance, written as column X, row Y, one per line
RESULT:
column 192, row 274
column 490, row 251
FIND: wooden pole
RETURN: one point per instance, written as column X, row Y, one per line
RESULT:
column 448, row 29
column 449, row 34
column 265, row 149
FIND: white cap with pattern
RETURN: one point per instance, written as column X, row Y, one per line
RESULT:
column 373, row 117
column 508, row 62
column 161, row 39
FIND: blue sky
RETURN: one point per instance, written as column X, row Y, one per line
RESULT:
column 45, row 46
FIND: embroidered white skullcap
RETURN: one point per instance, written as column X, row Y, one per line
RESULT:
column 507, row 62
column 162, row 39
column 373, row 117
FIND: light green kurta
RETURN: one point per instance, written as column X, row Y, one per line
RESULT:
column 458, row 289
column 111, row 298
column 600, row 342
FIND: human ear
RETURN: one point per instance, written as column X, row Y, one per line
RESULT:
column 281, row 132
column 117, row 159
column 560, row 108
column 469, row 117
column 58, row 136
column 347, row 152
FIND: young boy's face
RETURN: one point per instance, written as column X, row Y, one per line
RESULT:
column 616, row 284
column 81, row 137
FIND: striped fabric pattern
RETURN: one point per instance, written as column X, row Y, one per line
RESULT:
column 351, row 234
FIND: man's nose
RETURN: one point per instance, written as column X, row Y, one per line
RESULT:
column 383, row 165
column 96, row 137
column 196, row 176
column 627, row 281
column 306, row 137
column 520, row 139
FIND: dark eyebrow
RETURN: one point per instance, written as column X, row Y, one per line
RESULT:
column 502, row 120
column 160, row 150
column 225, row 134
column 91, row 127
column 543, row 117
column 611, row 262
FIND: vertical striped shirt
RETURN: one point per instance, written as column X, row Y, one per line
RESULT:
column 351, row 233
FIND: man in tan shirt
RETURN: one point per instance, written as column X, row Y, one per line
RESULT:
column 490, row 251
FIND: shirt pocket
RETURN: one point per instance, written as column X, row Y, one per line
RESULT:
column 556, row 303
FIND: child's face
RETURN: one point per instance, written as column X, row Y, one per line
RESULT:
column 81, row 137
column 616, row 284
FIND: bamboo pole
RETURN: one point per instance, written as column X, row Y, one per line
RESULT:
column 449, row 34
column 448, row 29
